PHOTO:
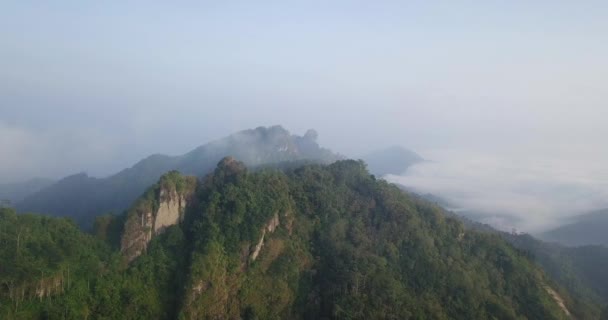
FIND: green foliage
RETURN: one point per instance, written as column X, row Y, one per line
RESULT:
column 360, row 248
column 581, row 271
column 109, row 228
column 44, row 258
column 347, row 246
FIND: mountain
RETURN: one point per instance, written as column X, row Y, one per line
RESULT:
column 83, row 198
column 587, row 229
column 392, row 160
column 579, row 270
column 15, row 192
column 311, row 242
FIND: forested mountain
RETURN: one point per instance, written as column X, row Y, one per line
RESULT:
column 579, row 270
column 587, row 229
column 392, row 160
column 15, row 192
column 312, row 242
column 82, row 197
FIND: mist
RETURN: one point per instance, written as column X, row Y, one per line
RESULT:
column 521, row 189
column 507, row 101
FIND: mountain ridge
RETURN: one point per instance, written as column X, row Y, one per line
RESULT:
column 585, row 229
column 16, row 191
column 309, row 242
column 579, row 270
column 82, row 197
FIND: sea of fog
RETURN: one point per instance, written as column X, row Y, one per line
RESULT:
column 507, row 190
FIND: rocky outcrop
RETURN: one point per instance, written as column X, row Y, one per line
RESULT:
column 558, row 299
column 164, row 205
column 269, row 227
column 45, row 287
column 170, row 211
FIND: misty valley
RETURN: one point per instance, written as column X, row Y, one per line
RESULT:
column 313, row 160
column 264, row 224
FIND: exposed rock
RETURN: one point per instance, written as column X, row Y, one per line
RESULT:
column 558, row 299
column 258, row 247
column 170, row 211
column 269, row 227
column 200, row 287
column 164, row 207
column 461, row 236
column 137, row 233
column 273, row 223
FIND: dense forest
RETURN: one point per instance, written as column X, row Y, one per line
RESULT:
column 579, row 270
column 305, row 242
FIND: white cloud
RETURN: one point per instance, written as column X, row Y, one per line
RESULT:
column 518, row 190
column 29, row 152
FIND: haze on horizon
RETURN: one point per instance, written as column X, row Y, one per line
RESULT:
column 97, row 86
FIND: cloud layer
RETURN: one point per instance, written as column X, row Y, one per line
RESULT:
column 522, row 191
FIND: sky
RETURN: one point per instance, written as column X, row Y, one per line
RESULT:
column 96, row 86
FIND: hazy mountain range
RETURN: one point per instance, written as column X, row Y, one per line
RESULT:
column 265, row 218
column 82, row 197
column 15, row 192
column 586, row 229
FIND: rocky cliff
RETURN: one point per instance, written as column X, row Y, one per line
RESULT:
column 269, row 227
column 162, row 206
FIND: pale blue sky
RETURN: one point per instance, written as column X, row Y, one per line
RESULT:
column 95, row 85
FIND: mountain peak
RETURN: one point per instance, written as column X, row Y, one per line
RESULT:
column 229, row 166
column 87, row 197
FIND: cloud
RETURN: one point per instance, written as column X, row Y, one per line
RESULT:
column 56, row 152
column 522, row 191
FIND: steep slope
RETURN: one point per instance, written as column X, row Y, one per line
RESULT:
column 314, row 242
column 392, row 160
column 587, row 229
column 347, row 246
column 579, row 270
column 82, row 197
column 164, row 205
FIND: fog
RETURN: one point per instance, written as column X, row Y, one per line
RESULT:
column 527, row 191
column 484, row 91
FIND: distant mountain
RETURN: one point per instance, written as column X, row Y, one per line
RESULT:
column 587, row 229
column 82, row 197
column 392, row 160
column 312, row 242
column 15, row 192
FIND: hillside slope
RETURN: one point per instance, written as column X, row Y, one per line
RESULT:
column 314, row 242
column 83, row 198
column 581, row 271
column 587, row 229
